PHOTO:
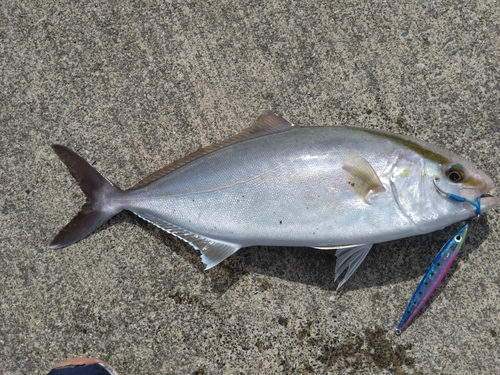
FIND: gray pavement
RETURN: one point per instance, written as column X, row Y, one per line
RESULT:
column 133, row 86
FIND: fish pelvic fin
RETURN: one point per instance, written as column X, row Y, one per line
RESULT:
column 103, row 199
column 350, row 258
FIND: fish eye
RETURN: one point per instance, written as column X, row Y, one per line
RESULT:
column 455, row 173
column 458, row 238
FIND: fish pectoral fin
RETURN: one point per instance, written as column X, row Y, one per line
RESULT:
column 350, row 258
column 212, row 251
column 360, row 176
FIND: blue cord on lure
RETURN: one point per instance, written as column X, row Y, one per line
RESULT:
column 432, row 278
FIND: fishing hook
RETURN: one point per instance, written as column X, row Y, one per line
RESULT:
column 458, row 198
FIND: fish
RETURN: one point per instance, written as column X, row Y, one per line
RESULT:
column 277, row 184
column 433, row 277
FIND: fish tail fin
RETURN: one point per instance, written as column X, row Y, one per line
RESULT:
column 103, row 199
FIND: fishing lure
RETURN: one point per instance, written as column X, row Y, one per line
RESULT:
column 432, row 278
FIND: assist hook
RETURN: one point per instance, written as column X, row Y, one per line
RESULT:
column 458, row 198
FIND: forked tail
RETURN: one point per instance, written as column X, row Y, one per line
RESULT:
column 103, row 199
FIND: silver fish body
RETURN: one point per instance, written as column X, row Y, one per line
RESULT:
column 282, row 185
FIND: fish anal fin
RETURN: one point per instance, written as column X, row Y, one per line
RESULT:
column 360, row 176
column 212, row 251
column 350, row 258
column 215, row 252
column 267, row 123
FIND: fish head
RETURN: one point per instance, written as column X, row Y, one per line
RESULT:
column 419, row 173
column 422, row 177
column 461, row 177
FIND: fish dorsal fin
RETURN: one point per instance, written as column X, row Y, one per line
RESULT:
column 350, row 258
column 267, row 123
column 360, row 176
column 212, row 251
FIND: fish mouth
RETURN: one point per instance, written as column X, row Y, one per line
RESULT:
column 481, row 184
column 489, row 184
column 488, row 202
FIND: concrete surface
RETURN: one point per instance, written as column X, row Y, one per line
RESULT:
column 133, row 86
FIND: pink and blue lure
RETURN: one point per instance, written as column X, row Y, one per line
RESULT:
column 432, row 278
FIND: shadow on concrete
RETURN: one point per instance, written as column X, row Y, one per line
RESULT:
column 387, row 263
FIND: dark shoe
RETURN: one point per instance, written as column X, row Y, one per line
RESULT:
column 83, row 366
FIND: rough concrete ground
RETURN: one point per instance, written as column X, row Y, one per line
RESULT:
column 133, row 86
